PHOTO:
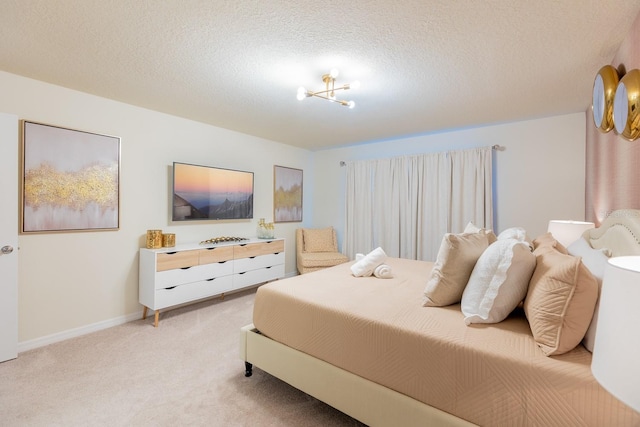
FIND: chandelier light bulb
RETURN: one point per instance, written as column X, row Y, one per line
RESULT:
column 302, row 93
column 351, row 104
column 334, row 73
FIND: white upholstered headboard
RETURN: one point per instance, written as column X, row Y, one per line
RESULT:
column 619, row 232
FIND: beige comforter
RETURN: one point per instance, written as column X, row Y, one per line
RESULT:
column 491, row 375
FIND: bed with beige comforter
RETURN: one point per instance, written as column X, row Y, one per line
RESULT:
column 487, row 374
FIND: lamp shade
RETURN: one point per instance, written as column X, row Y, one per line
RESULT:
column 616, row 353
column 567, row 232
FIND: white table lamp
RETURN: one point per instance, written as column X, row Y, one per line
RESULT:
column 616, row 353
column 567, row 232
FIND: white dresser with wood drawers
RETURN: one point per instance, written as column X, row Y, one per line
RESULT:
column 185, row 273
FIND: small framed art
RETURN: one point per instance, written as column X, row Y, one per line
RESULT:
column 287, row 194
column 70, row 180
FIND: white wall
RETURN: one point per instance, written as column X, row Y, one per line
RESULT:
column 71, row 280
column 540, row 174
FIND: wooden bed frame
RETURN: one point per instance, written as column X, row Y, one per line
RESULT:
column 372, row 403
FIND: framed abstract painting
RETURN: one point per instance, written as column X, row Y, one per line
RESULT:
column 70, row 180
column 287, row 194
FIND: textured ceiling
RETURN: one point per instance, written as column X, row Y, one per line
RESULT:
column 424, row 65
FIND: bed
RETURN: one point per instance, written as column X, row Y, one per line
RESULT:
column 368, row 347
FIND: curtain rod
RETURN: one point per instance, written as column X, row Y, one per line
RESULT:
column 495, row 147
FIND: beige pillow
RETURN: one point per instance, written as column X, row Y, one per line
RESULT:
column 560, row 301
column 318, row 240
column 547, row 241
column 456, row 258
column 472, row 228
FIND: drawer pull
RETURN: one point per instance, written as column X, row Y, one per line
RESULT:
column 172, row 287
column 242, row 244
column 251, row 257
column 221, row 262
column 185, row 268
column 242, row 272
column 269, row 267
column 209, row 249
column 209, row 280
column 171, row 253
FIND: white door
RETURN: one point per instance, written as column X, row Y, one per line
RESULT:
column 8, row 237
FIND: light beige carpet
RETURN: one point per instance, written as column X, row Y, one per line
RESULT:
column 185, row 372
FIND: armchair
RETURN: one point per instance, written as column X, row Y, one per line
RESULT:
column 317, row 248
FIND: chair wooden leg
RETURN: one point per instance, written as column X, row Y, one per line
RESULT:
column 144, row 312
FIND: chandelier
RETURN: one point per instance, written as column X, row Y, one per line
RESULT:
column 330, row 88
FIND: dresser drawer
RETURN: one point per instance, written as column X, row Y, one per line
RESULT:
column 257, row 249
column 192, row 291
column 169, row 278
column 172, row 260
column 254, row 277
column 216, row 254
column 254, row 263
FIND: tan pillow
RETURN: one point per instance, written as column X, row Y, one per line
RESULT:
column 456, row 258
column 472, row 228
column 318, row 240
column 547, row 241
column 560, row 301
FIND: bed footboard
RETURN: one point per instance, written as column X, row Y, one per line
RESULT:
column 361, row 399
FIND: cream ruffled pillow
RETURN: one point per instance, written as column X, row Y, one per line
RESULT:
column 499, row 281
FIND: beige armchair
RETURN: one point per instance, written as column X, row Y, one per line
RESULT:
column 317, row 248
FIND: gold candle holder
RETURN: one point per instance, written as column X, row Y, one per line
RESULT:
column 168, row 240
column 154, row 239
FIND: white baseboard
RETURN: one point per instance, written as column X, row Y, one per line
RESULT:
column 94, row 327
column 76, row 332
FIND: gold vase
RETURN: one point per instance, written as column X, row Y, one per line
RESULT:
column 168, row 240
column 154, row 239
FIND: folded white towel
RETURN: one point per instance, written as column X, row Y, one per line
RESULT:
column 359, row 257
column 383, row 271
column 366, row 265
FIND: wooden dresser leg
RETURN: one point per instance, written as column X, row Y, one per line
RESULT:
column 155, row 323
column 144, row 313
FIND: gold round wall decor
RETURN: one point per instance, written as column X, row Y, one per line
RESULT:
column 626, row 116
column 604, row 91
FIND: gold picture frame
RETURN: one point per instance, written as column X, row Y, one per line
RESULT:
column 287, row 194
column 70, row 180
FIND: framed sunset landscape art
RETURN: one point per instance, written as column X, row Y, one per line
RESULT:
column 210, row 193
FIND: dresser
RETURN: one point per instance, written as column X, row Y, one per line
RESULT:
column 190, row 272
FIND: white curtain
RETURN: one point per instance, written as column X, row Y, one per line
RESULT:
column 406, row 204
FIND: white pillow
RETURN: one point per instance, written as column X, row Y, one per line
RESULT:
column 518, row 233
column 499, row 282
column 595, row 260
